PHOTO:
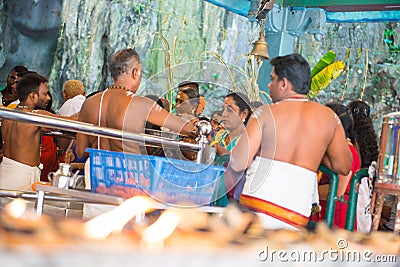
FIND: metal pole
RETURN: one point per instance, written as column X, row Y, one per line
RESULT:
column 39, row 203
column 87, row 128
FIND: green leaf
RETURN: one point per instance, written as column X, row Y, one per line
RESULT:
column 326, row 60
column 325, row 77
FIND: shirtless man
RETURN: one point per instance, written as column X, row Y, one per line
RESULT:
column 9, row 94
column 117, row 107
column 20, row 166
column 293, row 137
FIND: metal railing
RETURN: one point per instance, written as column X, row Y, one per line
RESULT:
column 91, row 129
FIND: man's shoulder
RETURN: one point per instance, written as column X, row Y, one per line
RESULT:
column 324, row 110
column 93, row 100
column 77, row 98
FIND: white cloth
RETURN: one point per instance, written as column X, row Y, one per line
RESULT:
column 15, row 175
column 72, row 106
column 364, row 217
column 284, row 185
column 87, row 175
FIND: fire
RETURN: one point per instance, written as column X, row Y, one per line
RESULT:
column 16, row 208
column 154, row 235
column 114, row 221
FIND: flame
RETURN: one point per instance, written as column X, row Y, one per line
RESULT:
column 16, row 208
column 114, row 221
column 155, row 234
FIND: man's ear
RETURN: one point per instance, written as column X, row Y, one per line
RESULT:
column 64, row 94
column 32, row 95
column 244, row 113
column 136, row 73
column 284, row 83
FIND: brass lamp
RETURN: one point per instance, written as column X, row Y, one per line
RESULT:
column 260, row 48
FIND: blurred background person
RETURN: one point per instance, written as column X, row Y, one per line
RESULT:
column 216, row 118
column 340, row 213
column 236, row 112
column 48, row 149
column 366, row 136
column 156, row 150
column 74, row 96
column 368, row 147
column 9, row 93
column 188, row 102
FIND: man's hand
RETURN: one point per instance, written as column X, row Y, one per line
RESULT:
column 69, row 156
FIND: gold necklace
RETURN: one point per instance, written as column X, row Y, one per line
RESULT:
column 118, row 87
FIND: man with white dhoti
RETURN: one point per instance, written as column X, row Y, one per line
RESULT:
column 20, row 167
column 291, row 138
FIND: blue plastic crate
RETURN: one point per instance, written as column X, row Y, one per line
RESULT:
column 119, row 174
column 167, row 180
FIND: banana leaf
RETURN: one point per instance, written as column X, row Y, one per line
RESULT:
column 324, row 77
column 325, row 61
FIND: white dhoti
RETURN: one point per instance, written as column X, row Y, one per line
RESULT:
column 280, row 192
column 15, row 175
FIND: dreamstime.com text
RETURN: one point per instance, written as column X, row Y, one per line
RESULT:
column 339, row 254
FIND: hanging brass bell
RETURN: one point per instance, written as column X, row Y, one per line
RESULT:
column 260, row 48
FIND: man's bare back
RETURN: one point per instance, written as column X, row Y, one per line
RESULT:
column 111, row 117
column 120, row 109
column 130, row 114
column 303, row 131
column 293, row 137
column 293, row 129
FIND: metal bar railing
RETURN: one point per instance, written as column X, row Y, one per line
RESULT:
column 87, row 128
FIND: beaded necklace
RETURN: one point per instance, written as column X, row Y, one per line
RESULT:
column 127, row 91
column 118, row 87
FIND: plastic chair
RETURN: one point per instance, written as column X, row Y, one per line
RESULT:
column 352, row 201
column 353, row 197
column 333, row 187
